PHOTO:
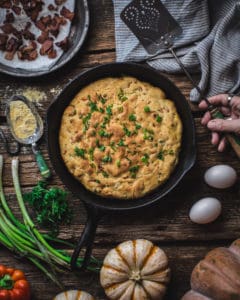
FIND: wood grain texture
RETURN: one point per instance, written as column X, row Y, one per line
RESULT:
column 166, row 224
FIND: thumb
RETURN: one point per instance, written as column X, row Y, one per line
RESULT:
column 224, row 125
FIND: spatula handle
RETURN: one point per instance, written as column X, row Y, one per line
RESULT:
column 43, row 167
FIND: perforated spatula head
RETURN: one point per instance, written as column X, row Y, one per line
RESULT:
column 151, row 23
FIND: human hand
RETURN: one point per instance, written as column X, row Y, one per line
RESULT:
column 231, row 110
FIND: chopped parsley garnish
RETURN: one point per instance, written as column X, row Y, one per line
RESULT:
column 107, row 159
column 118, row 163
column 145, row 158
column 159, row 119
column 132, row 117
column 105, row 174
column 96, row 125
column 90, row 152
column 109, row 110
column 105, row 121
column 101, row 110
column 112, row 145
column 148, row 134
column 138, row 126
column 85, row 121
column 101, row 98
column 79, row 152
column 121, row 95
column 97, row 181
column 133, row 170
column 126, row 131
column 93, row 106
column 120, row 109
column 103, row 133
column 121, row 143
column 161, row 155
column 102, row 148
column 147, row 109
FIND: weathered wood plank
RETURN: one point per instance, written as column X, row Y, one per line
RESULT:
column 182, row 259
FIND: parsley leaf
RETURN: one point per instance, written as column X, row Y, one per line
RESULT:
column 79, row 152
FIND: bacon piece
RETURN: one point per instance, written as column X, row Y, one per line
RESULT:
column 43, row 37
column 66, row 13
column 28, row 52
column 52, row 7
column 3, row 41
column 9, row 18
column 46, row 46
column 16, row 9
column 5, row 4
column 52, row 53
column 59, row 2
column 64, row 44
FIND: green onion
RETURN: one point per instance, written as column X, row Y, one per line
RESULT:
column 85, row 121
column 138, row 126
column 102, row 99
column 161, row 155
column 105, row 174
column 109, row 110
column 159, row 119
column 120, row 109
column 121, row 143
column 127, row 131
column 118, row 163
column 112, row 145
column 148, row 134
column 79, row 152
column 132, row 117
column 145, row 158
column 103, row 133
column 121, row 95
column 90, row 152
column 133, row 170
column 102, row 148
column 93, row 106
column 107, row 159
column 147, row 109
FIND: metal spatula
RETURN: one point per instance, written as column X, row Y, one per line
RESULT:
column 156, row 29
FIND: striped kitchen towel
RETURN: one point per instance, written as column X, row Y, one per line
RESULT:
column 209, row 43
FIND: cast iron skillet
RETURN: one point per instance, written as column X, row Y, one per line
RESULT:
column 97, row 205
column 77, row 36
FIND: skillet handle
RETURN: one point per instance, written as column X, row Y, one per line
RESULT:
column 87, row 238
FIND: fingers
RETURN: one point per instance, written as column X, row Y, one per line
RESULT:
column 222, row 144
column 215, row 138
column 235, row 105
column 221, row 125
column 206, row 118
column 221, row 99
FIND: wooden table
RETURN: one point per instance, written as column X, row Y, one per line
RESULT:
column 169, row 227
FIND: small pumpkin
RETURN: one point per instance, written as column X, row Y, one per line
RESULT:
column 217, row 276
column 135, row 270
column 73, row 295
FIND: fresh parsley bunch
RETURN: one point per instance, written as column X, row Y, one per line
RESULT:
column 50, row 205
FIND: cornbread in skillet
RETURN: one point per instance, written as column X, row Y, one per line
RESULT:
column 120, row 137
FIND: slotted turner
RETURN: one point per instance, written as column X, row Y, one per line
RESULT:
column 156, row 29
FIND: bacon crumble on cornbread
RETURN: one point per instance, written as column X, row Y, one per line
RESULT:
column 120, row 137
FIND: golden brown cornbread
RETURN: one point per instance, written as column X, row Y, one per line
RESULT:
column 120, row 137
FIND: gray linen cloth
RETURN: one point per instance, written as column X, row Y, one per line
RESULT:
column 209, row 43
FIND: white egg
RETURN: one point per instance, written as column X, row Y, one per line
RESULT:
column 205, row 210
column 220, row 176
